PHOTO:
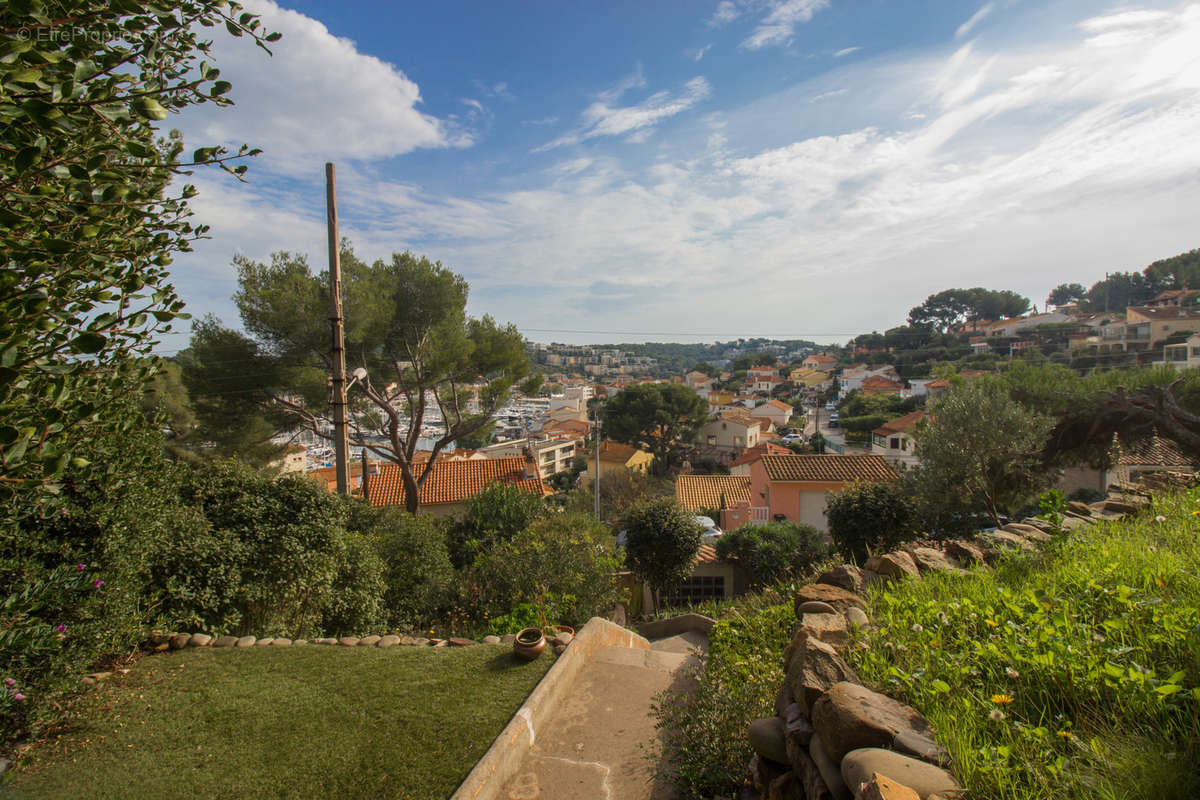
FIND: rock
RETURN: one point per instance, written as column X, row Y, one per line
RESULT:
column 158, row 648
column 861, row 766
column 815, row 607
column 97, row 677
column 420, row 641
column 829, row 628
column 856, row 617
column 782, row 698
column 225, row 641
column 766, row 737
column 965, row 552
column 325, row 640
column 491, row 640
column 348, row 641
column 299, row 642
column 1039, row 523
column 179, row 641
column 564, row 638
column 1113, row 506
column 6, row 764
column 837, row 597
column 200, row 640
column 922, row 747
column 438, row 643
column 847, row 576
column 810, row 777
column 786, row 787
column 369, row 641
column 246, row 641
column 893, row 565
column 388, row 641
column 1071, row 523
column 929, row 559
column 1028, row 531
column 1079, row 508
column 828, row 769
column 158, row 637
column 264, row 642
column 1003, row 540
column 508, row 638
column 764, row 772
column 814, row 669
column 849, row 717
column 281, row 642
column 883, row 788
column 559, row 649
column 796, row 727
column 457, row 641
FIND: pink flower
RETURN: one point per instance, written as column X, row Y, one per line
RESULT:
column 9, row 682
column 20, row 698
column 97, row 583
column 60, row 627
column 81, row 567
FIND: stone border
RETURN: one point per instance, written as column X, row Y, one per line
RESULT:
column 684, row 623
column 489, row 775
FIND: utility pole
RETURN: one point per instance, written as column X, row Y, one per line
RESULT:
column 337, row 351
column 597, row 498
column 365, row 465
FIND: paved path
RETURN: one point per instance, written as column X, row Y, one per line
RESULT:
column 603, row 735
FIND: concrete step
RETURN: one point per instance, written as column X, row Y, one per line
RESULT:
column 656, row 660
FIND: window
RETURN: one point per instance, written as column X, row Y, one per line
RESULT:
column 697, row 589
column 737, row 440
column 895, row 442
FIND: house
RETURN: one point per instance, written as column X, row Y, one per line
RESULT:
column 776, row 411
column 761, row 372
column 1183, row 355
column 327, row 476
column 894, row 440
column 741, row 465
column 796, row 487
column 820, row 361
column 879, row 385
column 294, row 458
column 1176, row 297
column 852, row 377
column 552, row 455
column 725, row 437
column 452, row 483
column 616, row 456
column 1163, row 321
column 718, row 399
column 698, row 380
column 764, row 383
column 577, row 429
column 1009, row 328
column 699, row 493
column 1153, row 454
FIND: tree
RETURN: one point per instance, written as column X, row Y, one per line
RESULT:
column 707, row 368
column 952, row 307
column 663, row 418
column 92, row 210
column 479, row 438
column 1066, row 293
column 1123, row 289
column 661, row 543
column 406, row 328
column 496, row 514
column 871, row 517
column 772, row 551
column 982, row 449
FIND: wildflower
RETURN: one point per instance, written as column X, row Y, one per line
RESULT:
column 1012, row 673
column 1196, row 513
column 20, row 698
column 996, row 715
column 9, row 682
column 60, row 627
column 942, row 618
column 1066, row 734
column 1160, row 518
column 1096, row 637
column 1001, row 699
column 992, row 623
column 916, row 628
column 97, row 583
column 81, row 567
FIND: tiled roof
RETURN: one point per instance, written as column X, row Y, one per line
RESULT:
column 900, row 424
column 782, row 406
column 707, row 555
column 1154, row 451
column 704, row 491
column 828, row 468
column 741, row 417
column 879, row 382
column 616, row 452
column 452, row 481
column 758, row 451
column 1166, row 312
column 568, row 426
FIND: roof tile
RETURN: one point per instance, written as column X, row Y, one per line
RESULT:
column 695, row 492
column 452, row 481
column 828, row 468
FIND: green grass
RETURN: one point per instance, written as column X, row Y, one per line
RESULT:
column 1070, row 674
column 316, row 721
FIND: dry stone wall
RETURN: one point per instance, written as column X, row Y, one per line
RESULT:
column 835, row 739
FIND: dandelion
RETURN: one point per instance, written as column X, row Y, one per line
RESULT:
column 996, row 715
column 916, row 628
column 1012, row 673
column 1066, row 734
column 1002, row 699
column 97, row 583
column 992, row 623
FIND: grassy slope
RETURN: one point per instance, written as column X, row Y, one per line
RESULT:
column 402, row 722
column 1068, row 675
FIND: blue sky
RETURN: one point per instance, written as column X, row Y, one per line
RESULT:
column 621, row 171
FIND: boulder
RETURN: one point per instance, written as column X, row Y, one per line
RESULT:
column 1079, row 508
column 829, row 770
column 796, row 727
column 810, row 777
column 348, row 641
column 764, row 772
column 856, row 617
column 847, row 576
column 158, row 637
column 814, row 669
column 923, row 747
column 1039, row 523
column 1003, row 540
column 929, row 559
column 861, row 766
column 883, row 788
column 1028, row 531
column 390, row 640
column 965, row 552
column 1071, row 523
column 264, row 642
column 1113, row 507
column 225, row 641
column 200, row 640
column 281, row 642
column 179, row 641
column 369, row 641
column 835, row 596
column 299, row 642
column 893, row 565
column 508, row 638
column 487, row 639
column 564, row 638
column 245, row 641
column 766, row 737
column 421, row 641
column 782, row 698
column 850, row 717
column 829, row 628
column 815, row 607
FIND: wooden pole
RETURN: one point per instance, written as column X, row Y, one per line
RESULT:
column 337, row 352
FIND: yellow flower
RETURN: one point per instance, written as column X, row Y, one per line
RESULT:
column 1066, row 734
column 1001, row 699
column 992, row 622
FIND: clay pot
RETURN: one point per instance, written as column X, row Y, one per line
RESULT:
column 557, row 629
column 529, row 644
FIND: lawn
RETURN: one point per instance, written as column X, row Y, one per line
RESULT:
column 1069, row 674
column 315, row 721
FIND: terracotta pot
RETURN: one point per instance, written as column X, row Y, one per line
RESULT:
column 529, row 644
column 562, row 629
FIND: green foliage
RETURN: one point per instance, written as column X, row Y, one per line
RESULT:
column 356, row 599
column 664, row 418
column 661, row 543
column 704, row 728
column 1052, row 506
column 564, row 565
column 951, row 307
column 772, row 551
column 871, row 517
column 1066, row 293
column 91, row 213
column 1044, row 676
column 477, row 439
column 982, row 451
column 619, row 492
column 497, row 514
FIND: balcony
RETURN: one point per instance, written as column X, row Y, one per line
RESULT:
column 759, row 514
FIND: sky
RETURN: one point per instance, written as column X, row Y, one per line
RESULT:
column 620, row 171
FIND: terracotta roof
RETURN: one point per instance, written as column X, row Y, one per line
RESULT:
column 1166, row 312
column 577, row 426
column 782, row 406
column 707, row 555
column 452, row 481
column 758, row 451
column 900, row 424
column 828, row 469
column 741, row 417
column 1154, row 451
column 704, row 491
column 822, row 359
column 616, row 452
column 879, row 382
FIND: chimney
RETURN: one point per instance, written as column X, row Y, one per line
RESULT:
column 531, row 466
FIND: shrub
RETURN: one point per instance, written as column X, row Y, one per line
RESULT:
column 356, row 600
column 661, row 543
column 563, row 565
column 870, row 516
column 772, row 551
column 496, row 514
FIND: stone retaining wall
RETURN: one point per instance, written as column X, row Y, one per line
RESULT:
column 834, row 739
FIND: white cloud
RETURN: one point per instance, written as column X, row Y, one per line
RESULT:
column 845, row 51
column 605, row 118
column 780, row 22
column 727, row 11
column 976, row 18
column 318, row 97
column 701, row 52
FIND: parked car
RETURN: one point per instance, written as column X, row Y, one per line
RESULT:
column 712, row 531
column 793, row 438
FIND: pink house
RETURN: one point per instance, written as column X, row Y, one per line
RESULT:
column 796, row 487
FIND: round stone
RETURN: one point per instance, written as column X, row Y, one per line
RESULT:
column 766, row 737
column 856, row 617
column 859, row 766
column 491, row 640
column 200, row 640
column 246, row 641
column 281, row 642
